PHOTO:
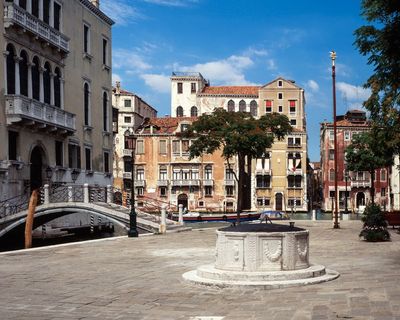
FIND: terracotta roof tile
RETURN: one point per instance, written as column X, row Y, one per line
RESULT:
column 231, row 90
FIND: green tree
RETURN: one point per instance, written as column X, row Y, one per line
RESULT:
column 368, row 152
column 236, row 134
column 380, row 41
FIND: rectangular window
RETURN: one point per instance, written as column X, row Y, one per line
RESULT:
column 74, row 156
column 57, row 16
column 140, row 193
column 331, row 154
column 294, row 141
column 185, row 146
column 229, row 190
column 127, row 165
column 280, row 109
column 176, row 175
column 163, row 147
column 12, row 145
column 293, row 122
column 180, row 87
column 127, row 103
column 208, row 173
column 331, row 194
column 263, row 181
column 176, row 147
column 294, row 203
column 383, row 192
column 193, row 87
column 163, row 174
column 139, row 147
column 86, row 39
column 127, row 119
column 106, row 156
column 292, row 106
column 46, row 11
column 280, row 83
column 229, row 174
column 280, row 95
column 105, row 49
column 163, row 191
column 88, row 159
column 184, row 127
column 268, row 106
column 263, row 202
column 59, row 153
column 294, row 181
column 208, row 191
column 139, row 174
column 347, row 136
column 383, row 175
column 331, row 135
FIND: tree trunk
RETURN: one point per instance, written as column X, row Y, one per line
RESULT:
column 29, row 219
column 241, row 164
column 372, row 173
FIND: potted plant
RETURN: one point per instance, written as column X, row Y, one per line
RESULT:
column 375, row 225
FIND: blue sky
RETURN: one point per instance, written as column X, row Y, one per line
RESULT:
column 241, row 42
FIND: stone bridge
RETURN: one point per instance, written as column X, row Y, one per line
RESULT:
column 64, row 200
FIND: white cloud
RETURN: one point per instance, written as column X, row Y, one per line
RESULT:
column 158, row 82
column 313, row 85
column 172, row 3
column 271, row 64
column 121, row 11
column 227, row 71
column 353, row 93
column 255, row 52
column 129, row 61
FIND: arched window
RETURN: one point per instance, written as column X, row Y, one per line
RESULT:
column 253, row 108
column 193, row 111
column 57, row 88
column 36, row 78
column 179, row 111
column 231, row 106
column 23, row 73
column 242, row 106
column 10, row 70
column 105, row 111
column 46, row 82
column 86, row 102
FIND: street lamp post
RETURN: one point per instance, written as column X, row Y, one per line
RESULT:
column 130, row 140
column 333, row 57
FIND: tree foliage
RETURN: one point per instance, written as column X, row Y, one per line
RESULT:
column 380, row 41
column 368, row 152
column 375, row 225
column 236, row 134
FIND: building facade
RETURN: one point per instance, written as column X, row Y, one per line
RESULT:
column 353, row 186
column 55, row 97
column 278, row 181
column 130, row 111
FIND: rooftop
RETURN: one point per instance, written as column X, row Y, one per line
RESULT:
column 231, row 90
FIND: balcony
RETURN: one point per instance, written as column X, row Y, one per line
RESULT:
column 162, row 183
column 127, row 175
column 13, row 14
column 126, row 153
column 360, row 184
column 23, row 111
column 294, row 145
column 208, row 182
column 183, row 183
column 264, row 172
column 140, row 183
column 294, row 172
column 230, row 183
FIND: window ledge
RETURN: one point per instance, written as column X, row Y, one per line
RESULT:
column 106, row 133
column 106, row 67
column 87, row 128
column 87, row 56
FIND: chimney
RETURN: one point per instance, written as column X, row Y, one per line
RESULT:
column 117, row 87
column 96, row 3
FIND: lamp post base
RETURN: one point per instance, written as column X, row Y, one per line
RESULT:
column 133, row 233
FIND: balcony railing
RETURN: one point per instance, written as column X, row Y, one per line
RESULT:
column 20, row 108
column 229, row 182
column 127, row 175
column 360, row 183
column 294, row 145
column 15, row 14
column 208, row 182
column 162, row 183
column 126, row 152
column 295, row 172
column 265, row 172
column 140, row 183
column 181, row 183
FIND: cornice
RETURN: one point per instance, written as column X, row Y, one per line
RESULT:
column 97, row 11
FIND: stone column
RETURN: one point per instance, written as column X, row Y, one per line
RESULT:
column 86, row 193
column 30, row 89
column 180, row 219
column 5, row 54
column 62, row 93
column 163, row 224
column 41, row 10
column 46, row 194
column 29, row 6
column 41, row 91
column 51, row 13
column 52, row 89
column 17, row 80
column 70, row 194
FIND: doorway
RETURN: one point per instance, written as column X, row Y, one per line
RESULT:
column 183, row 200
column 278, row 202
column 360, row 199
column 36, row 170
